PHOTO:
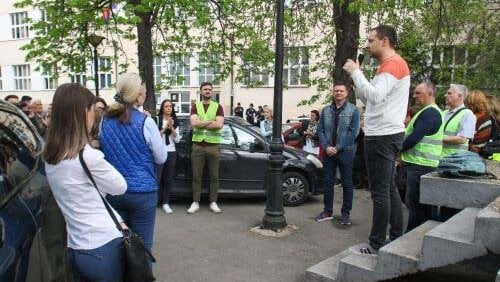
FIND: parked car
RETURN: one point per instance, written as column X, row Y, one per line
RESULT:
column 32, row 228
column 244, row 165
column 291, row 134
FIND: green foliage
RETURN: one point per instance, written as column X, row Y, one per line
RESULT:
column 244, row 31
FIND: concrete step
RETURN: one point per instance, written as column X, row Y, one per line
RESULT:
column 487, row 229
column 402, row 256
column 460, row 193
column 451, row 241
column 358, row 268
column 326, row 271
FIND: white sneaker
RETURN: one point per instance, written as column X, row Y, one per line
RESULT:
column 214, row 207
column 194, row 208
column 167, row 209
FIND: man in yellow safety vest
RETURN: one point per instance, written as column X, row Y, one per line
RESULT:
column 207, row 119
column 421, row 150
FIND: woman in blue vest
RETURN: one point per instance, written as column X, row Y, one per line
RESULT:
column 131, row 142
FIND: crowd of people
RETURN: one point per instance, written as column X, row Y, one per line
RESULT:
column 132, row 156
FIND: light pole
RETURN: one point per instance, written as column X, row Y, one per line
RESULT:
column 95, row 40
column 274, row 218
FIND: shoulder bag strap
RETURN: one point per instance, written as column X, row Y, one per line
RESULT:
column 108, row 208
column 454, row 114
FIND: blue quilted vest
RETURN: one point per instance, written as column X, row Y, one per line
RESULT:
column 125, row 148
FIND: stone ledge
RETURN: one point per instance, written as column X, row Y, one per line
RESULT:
column 458, row 193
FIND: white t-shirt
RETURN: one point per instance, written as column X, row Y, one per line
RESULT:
column 171, row 146
column 88, row 223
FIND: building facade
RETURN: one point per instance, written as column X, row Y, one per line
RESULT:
column 184, row 75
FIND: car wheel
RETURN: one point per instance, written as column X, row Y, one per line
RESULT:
column 295, row 188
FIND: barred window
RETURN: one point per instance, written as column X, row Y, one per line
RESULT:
column 105, row 72
column 22, row 77
column 296, row 66
column 208, row 68
column 178, row 70
column 20, row 27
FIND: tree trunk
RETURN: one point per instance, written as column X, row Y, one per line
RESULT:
column 145, row 55
column 347, row 39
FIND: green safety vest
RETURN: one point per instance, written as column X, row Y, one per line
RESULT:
column 207, row 135
column 452, row 130
column 427, row 152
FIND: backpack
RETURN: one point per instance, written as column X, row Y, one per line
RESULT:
column 463, row 163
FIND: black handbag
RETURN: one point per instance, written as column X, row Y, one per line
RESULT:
column 138, row 258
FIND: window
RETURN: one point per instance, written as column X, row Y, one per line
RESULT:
column 454, row 63
column 1, row 85
column 178, row 68
column 296, row 66
column 79, row 78
column 181, row 101
column 243, row 139
column 209, row 69
column 227, row 138
column 22, row 77
column 157, row 69
column 256, row 76
column 104, row 72
column 44, row 18
column 48, row 79
column 20, row 28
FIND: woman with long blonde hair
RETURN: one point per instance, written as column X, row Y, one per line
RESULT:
column 131, row 142
column 91, row 231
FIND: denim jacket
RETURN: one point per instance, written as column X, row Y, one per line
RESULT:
column 347, row 130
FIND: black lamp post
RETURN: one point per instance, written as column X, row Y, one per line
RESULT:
column 95, row 40
column 274, row 218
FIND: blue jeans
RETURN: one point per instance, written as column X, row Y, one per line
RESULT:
column 139, row 213
column 104, row 264
column 343, row 161
column 418, row 213
column 380, row 154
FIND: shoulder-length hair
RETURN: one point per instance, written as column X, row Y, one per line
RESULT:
column 68, row 133
column 476, row 102
column 128, row 87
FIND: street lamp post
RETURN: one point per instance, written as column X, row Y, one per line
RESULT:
column 274, row 218
column 95, row 40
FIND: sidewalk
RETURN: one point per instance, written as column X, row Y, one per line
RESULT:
column 220, row 247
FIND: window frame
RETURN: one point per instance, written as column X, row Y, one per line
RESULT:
column 19, row 25
column 22, row 77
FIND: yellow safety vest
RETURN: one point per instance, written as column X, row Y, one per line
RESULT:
column 427, row 152
column 207, row 135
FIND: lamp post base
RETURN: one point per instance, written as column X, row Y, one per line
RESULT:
column 273, row 222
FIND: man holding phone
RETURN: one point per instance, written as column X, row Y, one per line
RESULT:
column 386, row 100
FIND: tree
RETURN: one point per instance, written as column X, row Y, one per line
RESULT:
column 244, row 30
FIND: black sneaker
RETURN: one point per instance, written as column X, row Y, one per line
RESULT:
column 346, row 220
column 323, row 216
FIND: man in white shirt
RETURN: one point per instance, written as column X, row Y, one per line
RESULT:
column 386, row 98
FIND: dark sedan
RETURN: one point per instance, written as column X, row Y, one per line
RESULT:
column 244, row 165
column 32, row 228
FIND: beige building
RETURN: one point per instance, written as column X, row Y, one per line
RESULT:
column 19, row 77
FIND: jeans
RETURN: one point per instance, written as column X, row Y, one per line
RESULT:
column 343, row 161
column 105, row 263
column 380, row 154
column 139, row 213
column 167, row 178
column 199, row 156
column 418, row 213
